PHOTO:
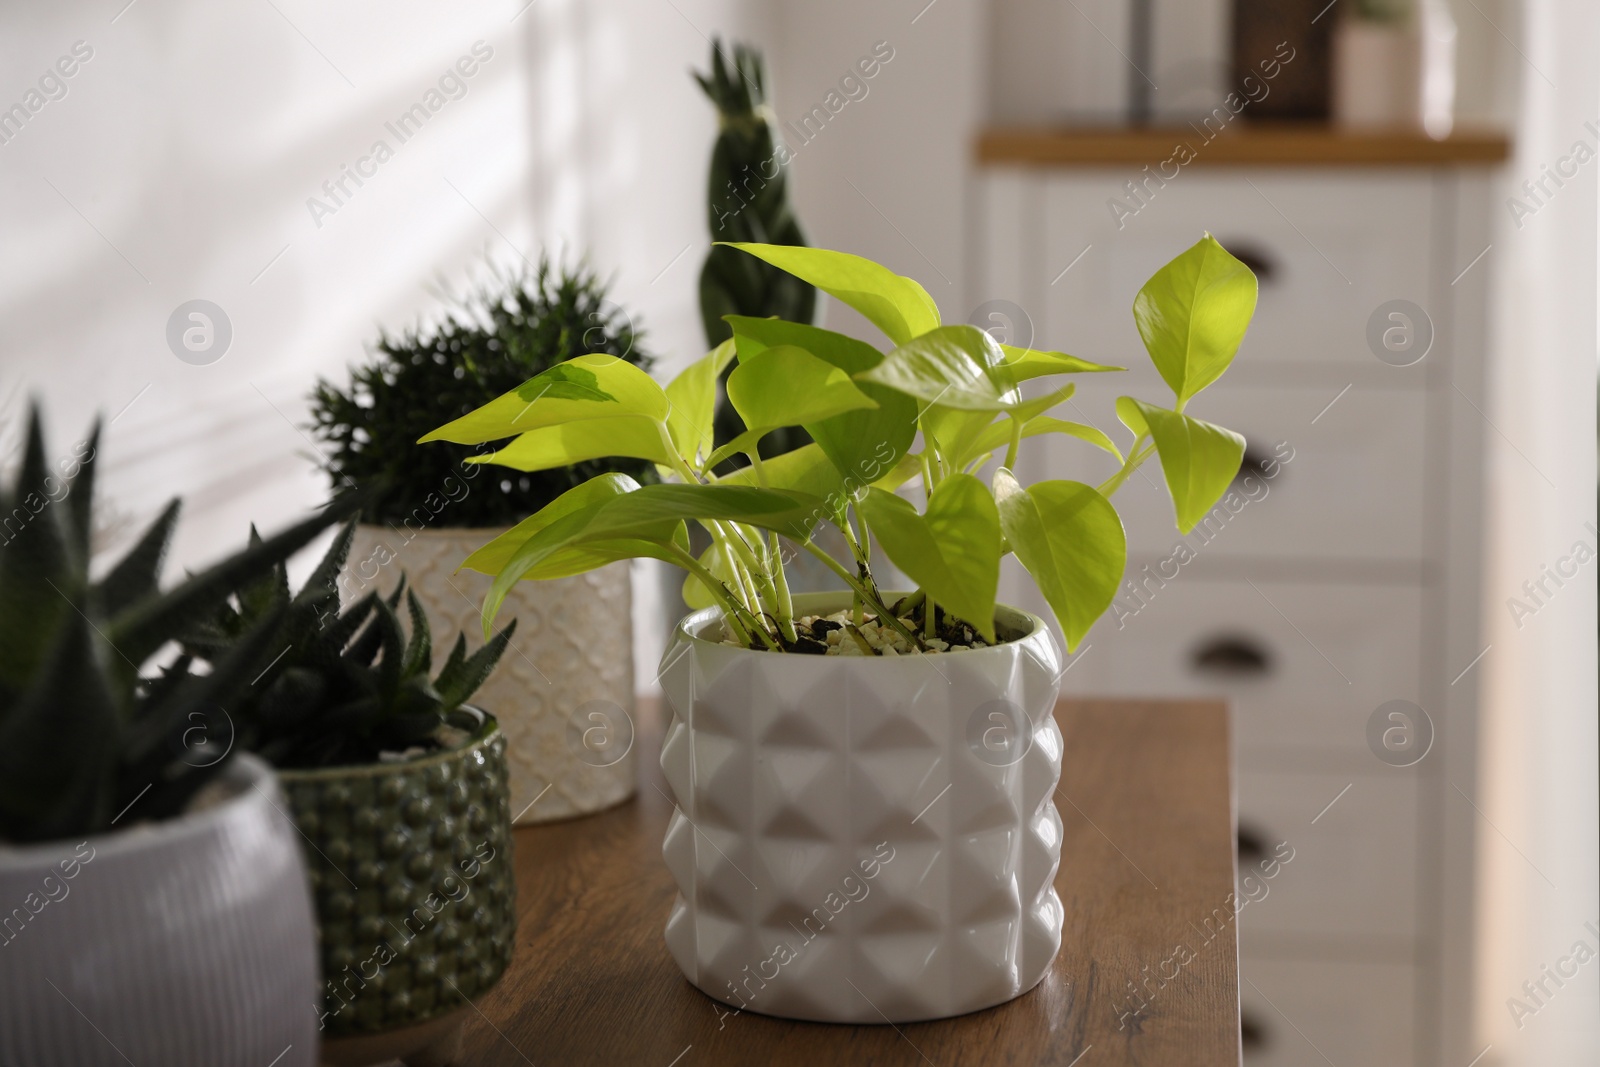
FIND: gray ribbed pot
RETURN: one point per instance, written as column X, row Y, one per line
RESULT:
column 416, row 905
column 185, row 943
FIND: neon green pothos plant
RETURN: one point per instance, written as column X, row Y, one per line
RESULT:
column 937, row 406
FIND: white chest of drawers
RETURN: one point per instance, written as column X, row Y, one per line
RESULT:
column 1347, row 580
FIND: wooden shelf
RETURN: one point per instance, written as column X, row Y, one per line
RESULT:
column 1147, row 863
column 1241, row 145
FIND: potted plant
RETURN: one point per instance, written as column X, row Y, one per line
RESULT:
column 869, row 837
column 748, row 200
column 400, row 794
column 430, row 506
column 155, row 904
column 1394, row 66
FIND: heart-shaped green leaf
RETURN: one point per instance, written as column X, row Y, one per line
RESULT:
column 1192, row 314
column 1070, row 540
column 804, row 470
column 1198, row 458
column 693, row 396
column 957, row 366
column 861, row 443
column 635, row 436
column 788, row 386
column 754, row 336
column 574, row 559
column 897, row 305
column 952, row 552
column 998, row 435
column 1025, row 363
column 588, row 387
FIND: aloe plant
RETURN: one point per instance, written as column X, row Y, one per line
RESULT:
column 953, row 389
column 88, row 736
column 344, row 686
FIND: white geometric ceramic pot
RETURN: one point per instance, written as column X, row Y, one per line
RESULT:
column 563, row 691
column 187, row 942
column 860, row 838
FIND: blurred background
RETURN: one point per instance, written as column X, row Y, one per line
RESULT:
column 1421, row 526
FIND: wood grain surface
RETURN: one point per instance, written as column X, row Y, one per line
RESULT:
column 1147, row 974
column 1287, row 145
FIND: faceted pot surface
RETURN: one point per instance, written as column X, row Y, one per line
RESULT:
column 188, row 942
column 411, row 870
column 563, row 691
column 863, row 839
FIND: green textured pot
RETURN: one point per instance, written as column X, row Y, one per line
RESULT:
column 410, row 866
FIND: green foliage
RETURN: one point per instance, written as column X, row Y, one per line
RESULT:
column 343, row 687
column 1198, row 459
column 952, row 552
column 518, row 327
column 1070, row 540
column 88, row 736
column 952, row 386
column 1192, row 315
column 897, row 305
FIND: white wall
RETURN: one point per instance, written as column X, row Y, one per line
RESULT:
column 1540, row 798
column 887, row 176
column 179, row 163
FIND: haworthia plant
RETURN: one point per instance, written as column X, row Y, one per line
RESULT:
column 345, row 687
column 951, row 388
column 95, row 733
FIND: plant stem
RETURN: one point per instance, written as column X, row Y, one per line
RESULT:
column 1136, row 457
column 754, row 456
column 848, row 528
column 731, row 608
column 854, row 631
column 1016, row 442
column 929, row 614
column 780, row 582
column 885, row 616
column 742, row 559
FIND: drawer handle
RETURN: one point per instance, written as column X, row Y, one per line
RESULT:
column 1252, row 845
column 1258, row 259
column 1254, row 462
column 1252, row 1034
column 1232, row 655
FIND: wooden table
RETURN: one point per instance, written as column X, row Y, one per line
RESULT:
column 1147, row 878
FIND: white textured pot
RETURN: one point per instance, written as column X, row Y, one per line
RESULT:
column 563, row 691
column 187, row 943
column 863, row 839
